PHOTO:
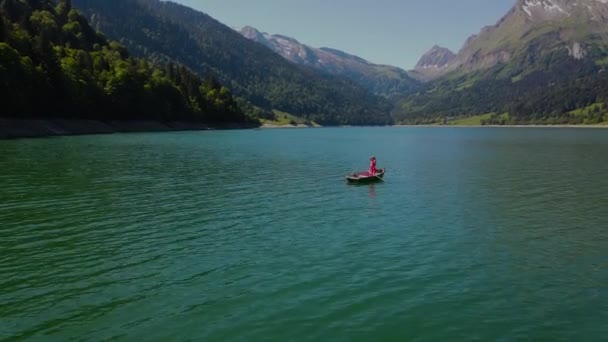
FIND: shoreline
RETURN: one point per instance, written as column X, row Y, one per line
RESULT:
column 41, row 128
column 506, row 126
column 273, row 126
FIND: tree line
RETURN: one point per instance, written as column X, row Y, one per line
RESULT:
column 53, row 64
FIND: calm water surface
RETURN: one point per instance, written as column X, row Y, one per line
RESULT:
column 477, row 234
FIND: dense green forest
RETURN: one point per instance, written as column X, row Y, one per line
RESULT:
column 165, row 31
column 54, row 65
column 540, row 85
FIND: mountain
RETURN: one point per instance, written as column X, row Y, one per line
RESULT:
column 543, row 62
column 433, row 63
column 53, row 65
column 382, row 80
column 166, row 31
column 574, row 25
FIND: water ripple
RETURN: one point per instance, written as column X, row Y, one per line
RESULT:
column 254, row 235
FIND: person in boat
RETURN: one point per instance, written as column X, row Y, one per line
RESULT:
column 372, row 166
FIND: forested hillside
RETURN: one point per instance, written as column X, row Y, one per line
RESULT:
column 54, row 65
column 166, row 31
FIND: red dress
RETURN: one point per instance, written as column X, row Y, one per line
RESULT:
column 372, row 167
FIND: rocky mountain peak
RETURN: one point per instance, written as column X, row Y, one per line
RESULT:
column 436, row 58
column 256, row 35
column 545, row 9
column 250, row 32
column 558, row 9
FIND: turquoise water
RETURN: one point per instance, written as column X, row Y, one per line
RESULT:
column 476, row 234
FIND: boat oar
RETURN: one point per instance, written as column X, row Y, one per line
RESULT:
column 380, row 178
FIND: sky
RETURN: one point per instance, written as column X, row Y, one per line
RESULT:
column 393, row 32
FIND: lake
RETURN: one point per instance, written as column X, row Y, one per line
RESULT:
column 476, row 234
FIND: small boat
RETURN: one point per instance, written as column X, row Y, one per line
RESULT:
column 366, row 177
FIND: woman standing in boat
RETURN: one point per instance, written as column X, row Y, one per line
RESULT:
column 372, row 166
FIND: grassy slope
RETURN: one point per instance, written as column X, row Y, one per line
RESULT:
column 471, row 121
column 588, row 112
column 477, row 119
column 286, row 119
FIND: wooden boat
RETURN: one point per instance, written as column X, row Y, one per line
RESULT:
column 366, row 177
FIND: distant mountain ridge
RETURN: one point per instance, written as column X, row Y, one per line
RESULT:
column 380, row 79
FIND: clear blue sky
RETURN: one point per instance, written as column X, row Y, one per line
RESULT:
column 395, row 32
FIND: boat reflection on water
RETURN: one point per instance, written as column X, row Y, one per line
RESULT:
column 372, row 190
